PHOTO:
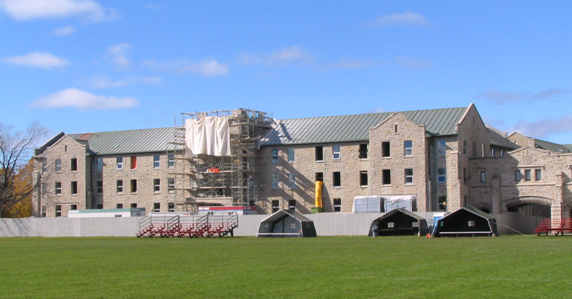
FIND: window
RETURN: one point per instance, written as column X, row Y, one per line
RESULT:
column 483, row 176
column 58, row 210
column 441, row 175
column 99, row 185
column 408, row 176
column 171, row 185
column 527, row 175
column 442, row 203
column 538, row 174
column 133, row 186
column 133, row 205
column 319, row 176
column 441, row 147
column 385, row 152
column 363, row 178
column 292, row 204
column 464, row 147
column 363, row 151
column 171, row 207
column 386, row 176
column 156, row 161
column 474, row 149
column 319, row 153
column 464, row 175
column 73, row 187
column 58, row 165
column 119, row 206
column 119, row 186
column 492, row 152
column 133, row 162
column 156, row 207
column 337, row 179
column 275, row 206
column 157, row 185
column 337, row 205
column 66, row 148
column 482, row 150
column 274, row 155
column 73, row 207
column 291, row 154
column 119, row 163
column 408, row 146
column 171, row 160
column 396, row 129
column 275, row 179
column 99, row 163
column 517, row 175
column 502, row 153
column 291, row 181
column 336, row 152
column 73, row 164
column 58, row 187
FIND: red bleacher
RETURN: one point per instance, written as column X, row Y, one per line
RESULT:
column 193, row 226
column 559, row 226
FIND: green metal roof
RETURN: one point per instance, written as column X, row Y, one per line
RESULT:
column 551, row 146
column 132, row 141
column 347, row 128
column 499, row 139
column 568, row 146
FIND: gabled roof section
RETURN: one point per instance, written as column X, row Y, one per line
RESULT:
column 131, row 141
column 346, row 128
column 554, row 147
column 49, row 143
column 500, row 139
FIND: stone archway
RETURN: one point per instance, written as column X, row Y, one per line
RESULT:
column 484, row 206
column 535, row 205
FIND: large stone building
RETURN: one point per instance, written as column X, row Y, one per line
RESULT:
column 441, row 159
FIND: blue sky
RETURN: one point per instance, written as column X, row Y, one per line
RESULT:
column 88, row 66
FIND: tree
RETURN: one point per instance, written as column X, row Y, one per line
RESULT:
column 23, row 180
column 15, row 149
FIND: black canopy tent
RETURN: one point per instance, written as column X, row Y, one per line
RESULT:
column 286, row 223
column 466, row 221
column 399, row 222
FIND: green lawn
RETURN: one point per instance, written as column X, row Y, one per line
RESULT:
column 323, row 267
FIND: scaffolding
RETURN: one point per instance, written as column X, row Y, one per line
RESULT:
column 226, row 180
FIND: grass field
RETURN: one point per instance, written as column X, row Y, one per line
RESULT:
column 324, row 267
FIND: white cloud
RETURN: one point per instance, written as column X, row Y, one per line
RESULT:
column 280, row 57
column 399, row 19
column 345, row 64
column 375, row 110
column 499, row 97
column 207, row 67
column 544, row 127
column 414, row 64
column 104, row 81
column 23, row 10
column 37, row 59
column 117, row 54
column 65, row 30
column 76, row 98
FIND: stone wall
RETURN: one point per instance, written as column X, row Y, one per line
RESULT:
column 395, row 131
column 66, row 149
column 304, row 168
column 502, row 189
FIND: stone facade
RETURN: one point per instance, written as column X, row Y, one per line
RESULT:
column 397, row 157
column 72, row 179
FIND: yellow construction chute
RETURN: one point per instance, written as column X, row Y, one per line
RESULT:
column 318, row 197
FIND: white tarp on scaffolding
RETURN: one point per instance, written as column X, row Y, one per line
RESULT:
column 208, row 136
